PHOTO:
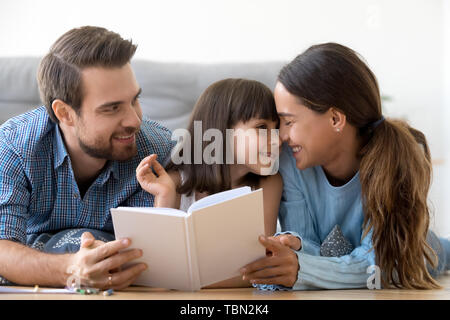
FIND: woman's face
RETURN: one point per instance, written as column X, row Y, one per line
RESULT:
column 309, row 134
column 257, row 145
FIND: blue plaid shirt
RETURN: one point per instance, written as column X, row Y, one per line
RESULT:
column 38, row 191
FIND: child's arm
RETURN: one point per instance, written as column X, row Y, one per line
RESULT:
column 159, row 183
column 272, row 189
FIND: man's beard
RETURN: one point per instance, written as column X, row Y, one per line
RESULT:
column 101, row 151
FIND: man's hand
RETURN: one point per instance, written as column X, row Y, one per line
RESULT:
column 98, row 264
column 280, row 266
column 88, row 241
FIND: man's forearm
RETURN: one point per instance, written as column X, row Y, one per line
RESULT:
column 26, row 266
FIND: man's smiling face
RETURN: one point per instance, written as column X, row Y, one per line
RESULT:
column 110, row 115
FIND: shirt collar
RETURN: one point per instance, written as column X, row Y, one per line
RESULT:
column 112, row 168
column 60, row 149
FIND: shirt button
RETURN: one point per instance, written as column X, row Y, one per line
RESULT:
column 75, row 195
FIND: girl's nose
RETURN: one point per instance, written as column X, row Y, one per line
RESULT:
column 275, row 139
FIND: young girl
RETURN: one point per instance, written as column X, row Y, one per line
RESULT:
column 355, row 184
column 247, row 107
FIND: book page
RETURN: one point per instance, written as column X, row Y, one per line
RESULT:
column 226, row 236
column 218, row 198
column 162, row 237
column 153, row 210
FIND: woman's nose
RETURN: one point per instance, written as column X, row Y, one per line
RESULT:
column 284, row 136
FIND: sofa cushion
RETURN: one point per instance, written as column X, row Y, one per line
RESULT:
column 169, row 90
column 18, row 86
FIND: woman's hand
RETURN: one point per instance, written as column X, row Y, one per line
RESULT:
column 280, row 266
column 289, row 240
column 160, row 184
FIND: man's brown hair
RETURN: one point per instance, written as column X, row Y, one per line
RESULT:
column 59, row 73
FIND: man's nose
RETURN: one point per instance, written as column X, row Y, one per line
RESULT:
column 133, row 118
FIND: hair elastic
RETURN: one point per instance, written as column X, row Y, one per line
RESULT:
column 375, row 124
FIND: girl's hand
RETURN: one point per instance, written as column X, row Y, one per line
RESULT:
column 289, row 240
column 280, row 266
column 160, row 185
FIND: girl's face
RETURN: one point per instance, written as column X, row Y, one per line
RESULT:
column 309, row 134
column 257, row 145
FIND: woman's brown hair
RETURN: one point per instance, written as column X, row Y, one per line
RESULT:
column 395, row 167
column 221, row 106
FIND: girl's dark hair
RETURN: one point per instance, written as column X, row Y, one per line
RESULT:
column 395, row 167
column 59, row 73
column 221, row 106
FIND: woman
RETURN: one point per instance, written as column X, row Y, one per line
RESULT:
column 355, row 183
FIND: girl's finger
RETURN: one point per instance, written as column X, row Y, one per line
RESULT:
column 159, row 169
column 146, row 160
column 145, row 173
column 140, row 171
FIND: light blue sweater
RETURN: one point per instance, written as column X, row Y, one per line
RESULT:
column 310, row 208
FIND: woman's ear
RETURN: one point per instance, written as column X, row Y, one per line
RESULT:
column 337, row 119
column 63, row 112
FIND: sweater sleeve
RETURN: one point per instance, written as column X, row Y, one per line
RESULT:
column 318, row 272
column 345, row 272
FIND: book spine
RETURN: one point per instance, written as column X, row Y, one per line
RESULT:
column 192, row 253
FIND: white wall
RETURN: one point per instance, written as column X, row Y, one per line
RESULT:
column 444, row 218
column 402, row 40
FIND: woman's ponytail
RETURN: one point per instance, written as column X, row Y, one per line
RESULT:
column 395, row 174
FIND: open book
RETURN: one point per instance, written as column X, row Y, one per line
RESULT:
column 186, row 251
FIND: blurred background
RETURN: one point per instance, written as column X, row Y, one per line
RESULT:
column 405, row 42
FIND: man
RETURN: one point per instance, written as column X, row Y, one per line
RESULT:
column 65, row 164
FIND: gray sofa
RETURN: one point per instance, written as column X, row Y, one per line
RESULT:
column 169, row 90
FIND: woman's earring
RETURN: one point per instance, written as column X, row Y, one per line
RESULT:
column 338, row 129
